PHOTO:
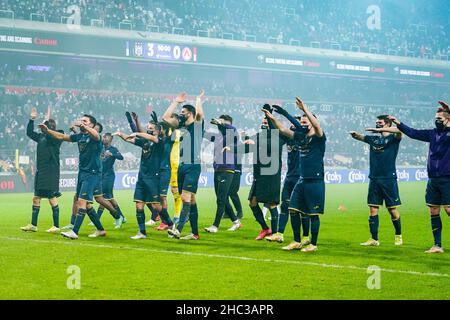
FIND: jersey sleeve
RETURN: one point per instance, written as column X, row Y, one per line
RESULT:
column 75, row 137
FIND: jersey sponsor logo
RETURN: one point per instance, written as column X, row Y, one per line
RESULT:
column 402, row 175
column 332, row 177
column 356, row 176
column 421, row 174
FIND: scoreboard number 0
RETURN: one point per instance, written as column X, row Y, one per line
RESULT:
column 176, row 52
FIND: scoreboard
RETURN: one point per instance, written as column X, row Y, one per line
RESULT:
column 161, row 51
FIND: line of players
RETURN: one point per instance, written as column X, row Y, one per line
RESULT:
column 302, row 198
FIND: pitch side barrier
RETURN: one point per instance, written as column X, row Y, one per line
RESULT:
column 127, row 180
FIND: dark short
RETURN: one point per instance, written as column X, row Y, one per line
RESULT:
column 108, row 186
column 147, row 190
column 48, row 194
column 88, row 184
column 438, row 192
column 308, row 197
column 188, row 176
column 164, row 182
column 383, row 190
column 288, row 187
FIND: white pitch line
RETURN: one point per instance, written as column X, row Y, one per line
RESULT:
column 242, row 258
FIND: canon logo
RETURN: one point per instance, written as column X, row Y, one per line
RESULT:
column 402, row 175
column 129, row 180
column 421, row 175
column 7, row 185
column 332, row 177
column 356, row 176
column 45, row 42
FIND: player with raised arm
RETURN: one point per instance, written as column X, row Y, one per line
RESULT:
column 90, row 168
column 383, row 186
column 438, row 167
column 291, row 179
column 147, row 186
column 192, row 125
column 46, row 180
column 266, row 174
column 308, row 196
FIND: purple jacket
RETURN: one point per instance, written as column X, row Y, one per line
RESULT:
column 439, row 151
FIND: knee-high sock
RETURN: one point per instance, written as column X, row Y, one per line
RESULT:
column 140, row 217
column 397, row 226
column 306, row 224
column 165, row 217
column 436, row 227
column 155, row 213
column 73, row 217
column 79, row 220
column 283, row 217
column 315, row 226
column 94, row 218
column 34, row 215
column 178, row 203
column 55, row 215
column 274, row 220
column 100, row 212
column 373, row 226
column 119, row 211
column 193, row 218
column 257, row 212
column 185, row 211
column 296, row 225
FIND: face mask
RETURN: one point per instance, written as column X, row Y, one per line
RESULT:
column 440, row 125
column 264, row 127
column 150, row 132
column 304, row 129
column 182, row 120
column 378, row 126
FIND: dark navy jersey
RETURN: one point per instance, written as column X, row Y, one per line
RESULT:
column 293, row 158
column 190, row 153
column 312, row 152
column 108, row 161
column 150, row 157
column 167, row 149
column 90, row 150
column 383, row 153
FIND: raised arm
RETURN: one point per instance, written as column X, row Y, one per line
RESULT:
column 357, row 136
column 167, row 116
column 125, row 137
column 314, row 122
column 91, row 131
column 146, row 136
column 397, row 133
column 421, row 135
column 130, row 122
column 137, row 122
column 278, row 125
column 55, row 134
column 286, row 114
column 199, row 114
column 33, row 135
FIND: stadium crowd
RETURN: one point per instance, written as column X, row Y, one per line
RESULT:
column 338, row 24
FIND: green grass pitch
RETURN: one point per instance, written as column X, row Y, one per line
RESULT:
column 224, row 265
